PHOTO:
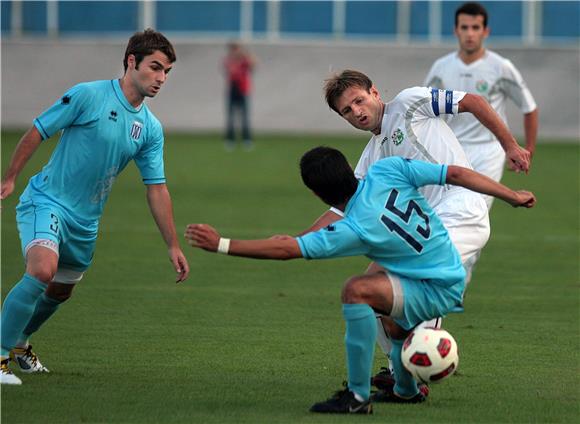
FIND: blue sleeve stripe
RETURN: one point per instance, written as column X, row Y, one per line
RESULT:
column 154, row 180
column 449, row 101
column 435, row 101
column 41, row 129
column 443, row 176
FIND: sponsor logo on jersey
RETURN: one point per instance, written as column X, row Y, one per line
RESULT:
column 481, row 86
column 397, row 137
column 113, row 116
column 66, row 100
column 136, row 130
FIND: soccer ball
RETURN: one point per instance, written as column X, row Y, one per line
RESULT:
column 430, row 355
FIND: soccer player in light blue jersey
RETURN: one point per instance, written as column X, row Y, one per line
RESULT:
column 105, row 125
column 387, row 220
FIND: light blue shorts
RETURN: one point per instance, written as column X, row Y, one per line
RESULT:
column 415, row 301
column 47, row 225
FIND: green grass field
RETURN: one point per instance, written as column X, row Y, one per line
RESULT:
column 245, row 341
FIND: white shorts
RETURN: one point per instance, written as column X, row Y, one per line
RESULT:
column 487, row 159
column 466, row 219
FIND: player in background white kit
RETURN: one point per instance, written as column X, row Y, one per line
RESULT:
column 411, row 126
column 474, row 69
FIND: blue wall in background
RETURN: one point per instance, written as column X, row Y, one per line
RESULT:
column 97, row 17
column 561, row 19
column 205, row 16
column 371, row 18
column 363, row 19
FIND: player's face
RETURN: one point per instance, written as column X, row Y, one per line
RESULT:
column 470, row 33
column 151, row 74
column 363, row 110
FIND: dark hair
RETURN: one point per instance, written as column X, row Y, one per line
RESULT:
column 473, row 9
column 338, row 83
column 144, row 43
column 326, row 172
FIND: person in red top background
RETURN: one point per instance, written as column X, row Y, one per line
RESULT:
column 238, row 66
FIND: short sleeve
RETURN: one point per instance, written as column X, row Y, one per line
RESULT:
column 149, row 159
column 430, row 102
column 422, row 173
column 410, row 171
column 73, row 108
column 514, row 87
column 336, row 240
column 445, row 102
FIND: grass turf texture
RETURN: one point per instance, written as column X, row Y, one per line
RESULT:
column 246, row 341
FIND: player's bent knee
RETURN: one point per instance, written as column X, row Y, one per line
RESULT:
column 352, row 291
column 42, row 259
column 44, row 274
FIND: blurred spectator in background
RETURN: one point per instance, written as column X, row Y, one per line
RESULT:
column 238, row 66
column 474, row 69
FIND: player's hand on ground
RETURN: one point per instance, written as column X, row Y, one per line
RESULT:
column 180, row 264
column 524, row 199
column 203, row 236
column 518, row 159
column 7, row 188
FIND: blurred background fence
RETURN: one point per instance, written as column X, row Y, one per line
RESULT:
column 47, row 46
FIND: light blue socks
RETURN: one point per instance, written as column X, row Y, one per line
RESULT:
column 45, row 307
column 17, row 310
column 361, row 334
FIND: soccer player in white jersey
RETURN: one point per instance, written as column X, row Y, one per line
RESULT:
column 411, row 126
column 475, row 69
column 387, row 220
column 105, row 125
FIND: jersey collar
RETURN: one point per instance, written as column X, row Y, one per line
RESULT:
column 380, row 137
column 121, row 96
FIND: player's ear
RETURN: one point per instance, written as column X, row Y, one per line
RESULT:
column 486, row 32
column 375, row 93
column 131, row 61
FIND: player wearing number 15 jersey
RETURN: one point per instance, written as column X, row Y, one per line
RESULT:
column 387, row 220
column 412, row 126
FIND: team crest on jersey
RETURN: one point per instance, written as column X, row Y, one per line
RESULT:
column 397, row 137
column 481, row 86
column 136, row 130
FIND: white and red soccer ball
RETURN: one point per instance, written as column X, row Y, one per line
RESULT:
column 430, row 355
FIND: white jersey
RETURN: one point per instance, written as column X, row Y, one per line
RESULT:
column 493, row 77
column 412, row 128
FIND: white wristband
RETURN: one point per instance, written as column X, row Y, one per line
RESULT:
column 224, row 246
column 337, row 211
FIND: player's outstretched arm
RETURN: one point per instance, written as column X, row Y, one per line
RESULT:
column 518, row 157
column 24, row 150
column 475, row 181
column 206, row 237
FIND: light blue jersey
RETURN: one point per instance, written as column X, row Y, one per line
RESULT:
column 101, row 134
column 388, row 221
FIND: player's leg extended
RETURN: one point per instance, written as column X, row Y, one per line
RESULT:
column 76, row 253
column 47, row 304
column 20, row 302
